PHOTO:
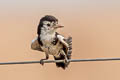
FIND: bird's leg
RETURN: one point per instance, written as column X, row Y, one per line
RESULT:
column 42, row 60
column 66, row 59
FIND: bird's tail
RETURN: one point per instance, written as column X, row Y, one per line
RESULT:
column 62, row 57
column 69, row 41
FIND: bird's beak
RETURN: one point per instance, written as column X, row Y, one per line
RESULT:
column 58, row 26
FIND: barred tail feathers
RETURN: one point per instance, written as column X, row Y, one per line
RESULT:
column 69, row 41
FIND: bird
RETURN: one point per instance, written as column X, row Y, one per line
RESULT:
column 50, row 42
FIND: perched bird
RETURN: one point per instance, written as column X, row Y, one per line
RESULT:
column 52, row 43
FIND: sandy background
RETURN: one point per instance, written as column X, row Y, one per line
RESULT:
column 93, row 24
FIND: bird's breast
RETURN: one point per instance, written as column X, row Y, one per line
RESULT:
column 48, row 46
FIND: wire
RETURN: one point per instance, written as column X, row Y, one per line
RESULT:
column 58, row 61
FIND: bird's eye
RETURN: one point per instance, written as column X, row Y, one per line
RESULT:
column 48, row 24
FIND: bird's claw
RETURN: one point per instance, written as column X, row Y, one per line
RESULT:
column 66, row 61
column 42, row 61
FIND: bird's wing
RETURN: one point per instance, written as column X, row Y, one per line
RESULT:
column 35, row 45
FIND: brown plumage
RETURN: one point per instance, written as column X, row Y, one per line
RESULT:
column 52, row 43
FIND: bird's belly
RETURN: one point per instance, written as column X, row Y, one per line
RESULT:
column 52, row 49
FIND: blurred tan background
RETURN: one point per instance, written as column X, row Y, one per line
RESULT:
column 93, row 24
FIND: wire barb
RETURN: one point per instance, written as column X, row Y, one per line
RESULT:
column 57, row 61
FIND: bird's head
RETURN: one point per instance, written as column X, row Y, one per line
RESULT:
column 49, row 24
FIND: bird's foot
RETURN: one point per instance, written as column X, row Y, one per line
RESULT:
column 42, row 61
column 66, row 61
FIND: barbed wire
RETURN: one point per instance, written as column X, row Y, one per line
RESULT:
column 58, row 61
